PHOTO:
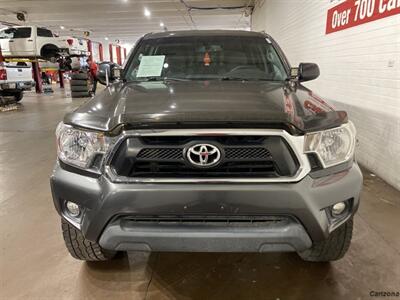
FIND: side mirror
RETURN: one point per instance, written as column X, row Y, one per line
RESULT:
column 308, row 71
column 108, row 72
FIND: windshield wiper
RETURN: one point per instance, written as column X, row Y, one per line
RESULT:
column 175, row 79
column 156, row 78
column 228, row 78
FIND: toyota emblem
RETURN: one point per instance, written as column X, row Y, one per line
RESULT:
column 203, row 155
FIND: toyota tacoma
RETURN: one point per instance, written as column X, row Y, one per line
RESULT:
column 206, row 141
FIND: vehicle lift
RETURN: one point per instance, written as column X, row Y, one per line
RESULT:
column 36, row 69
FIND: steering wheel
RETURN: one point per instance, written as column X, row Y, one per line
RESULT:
column 242, row 67
column 248, row 72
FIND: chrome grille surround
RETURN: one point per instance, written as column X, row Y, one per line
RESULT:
column 296, row 144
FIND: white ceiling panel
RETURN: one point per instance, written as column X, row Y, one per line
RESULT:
column 124, row 20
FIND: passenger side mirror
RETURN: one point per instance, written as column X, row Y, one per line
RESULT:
column 108, row 72
column 307, row 71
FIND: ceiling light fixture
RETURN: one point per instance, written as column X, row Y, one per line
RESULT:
column 161, row 24
column 106, row 38
column 147, row 12
column 62, row 27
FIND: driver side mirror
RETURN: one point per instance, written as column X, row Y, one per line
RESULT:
column 108, row 72
column 306, row 72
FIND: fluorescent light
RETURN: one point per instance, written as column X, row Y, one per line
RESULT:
column 147, row 13
column 161, row 24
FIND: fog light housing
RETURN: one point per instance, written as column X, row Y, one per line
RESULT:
column 338, row 209
column 73, row 209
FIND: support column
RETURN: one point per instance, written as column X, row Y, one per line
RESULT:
column 119, row 58
column 1, row 56
column 111, row 52
column 90, row 49
column 61, row 78
column 101, row 54
column 61, row 66
column 37, row 77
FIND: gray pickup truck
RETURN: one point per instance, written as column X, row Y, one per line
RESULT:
column 206, row 141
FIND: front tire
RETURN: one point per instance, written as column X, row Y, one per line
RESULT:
column 81, row 248
column 334, row 248
column 18, row 96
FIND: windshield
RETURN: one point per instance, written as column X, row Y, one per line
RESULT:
column 206, row 58
column 15, row 33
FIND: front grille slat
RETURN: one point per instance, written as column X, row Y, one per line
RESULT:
column 247, row 153
column 160, row 153
column 182, row 170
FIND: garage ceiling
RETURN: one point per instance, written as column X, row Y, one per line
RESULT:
column 124, row 20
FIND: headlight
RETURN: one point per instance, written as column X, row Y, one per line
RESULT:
column 333, row 146
column 79, row 147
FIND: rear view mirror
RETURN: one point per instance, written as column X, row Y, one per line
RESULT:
column 308, row 71
column 108, row 72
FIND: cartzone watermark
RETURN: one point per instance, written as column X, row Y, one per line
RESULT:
column 384, row 294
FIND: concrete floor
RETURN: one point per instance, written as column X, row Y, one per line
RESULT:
column 34, row 263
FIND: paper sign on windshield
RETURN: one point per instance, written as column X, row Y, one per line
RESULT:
column 151, row 66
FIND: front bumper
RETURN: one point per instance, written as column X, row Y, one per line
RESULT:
column 278, row 234
column 77, row 52
column 303, row 203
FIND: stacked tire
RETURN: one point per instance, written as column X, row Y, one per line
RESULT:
column 80, row 85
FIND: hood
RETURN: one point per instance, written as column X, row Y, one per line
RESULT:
column 205, row 104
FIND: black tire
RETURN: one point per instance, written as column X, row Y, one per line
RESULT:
column 78, row 82
column 18, row 96
column 334, row 248
column 81, row 248
column 80, row 94
column 79, row 88
column 79, row 76
column 50, row 52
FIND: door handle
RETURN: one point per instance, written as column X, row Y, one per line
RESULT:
column 11, row 41
column 30, row 40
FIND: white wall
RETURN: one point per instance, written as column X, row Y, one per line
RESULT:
column 360, row 72
column 114, row 54
column 106, row 51
column 95, row 51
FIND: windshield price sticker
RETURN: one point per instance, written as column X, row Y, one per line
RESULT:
column 352, row 13
column 151, row 66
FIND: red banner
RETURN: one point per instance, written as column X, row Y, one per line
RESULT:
column 356, row 12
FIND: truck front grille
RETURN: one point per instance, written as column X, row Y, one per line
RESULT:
column 241, row 157
column 178, row 153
